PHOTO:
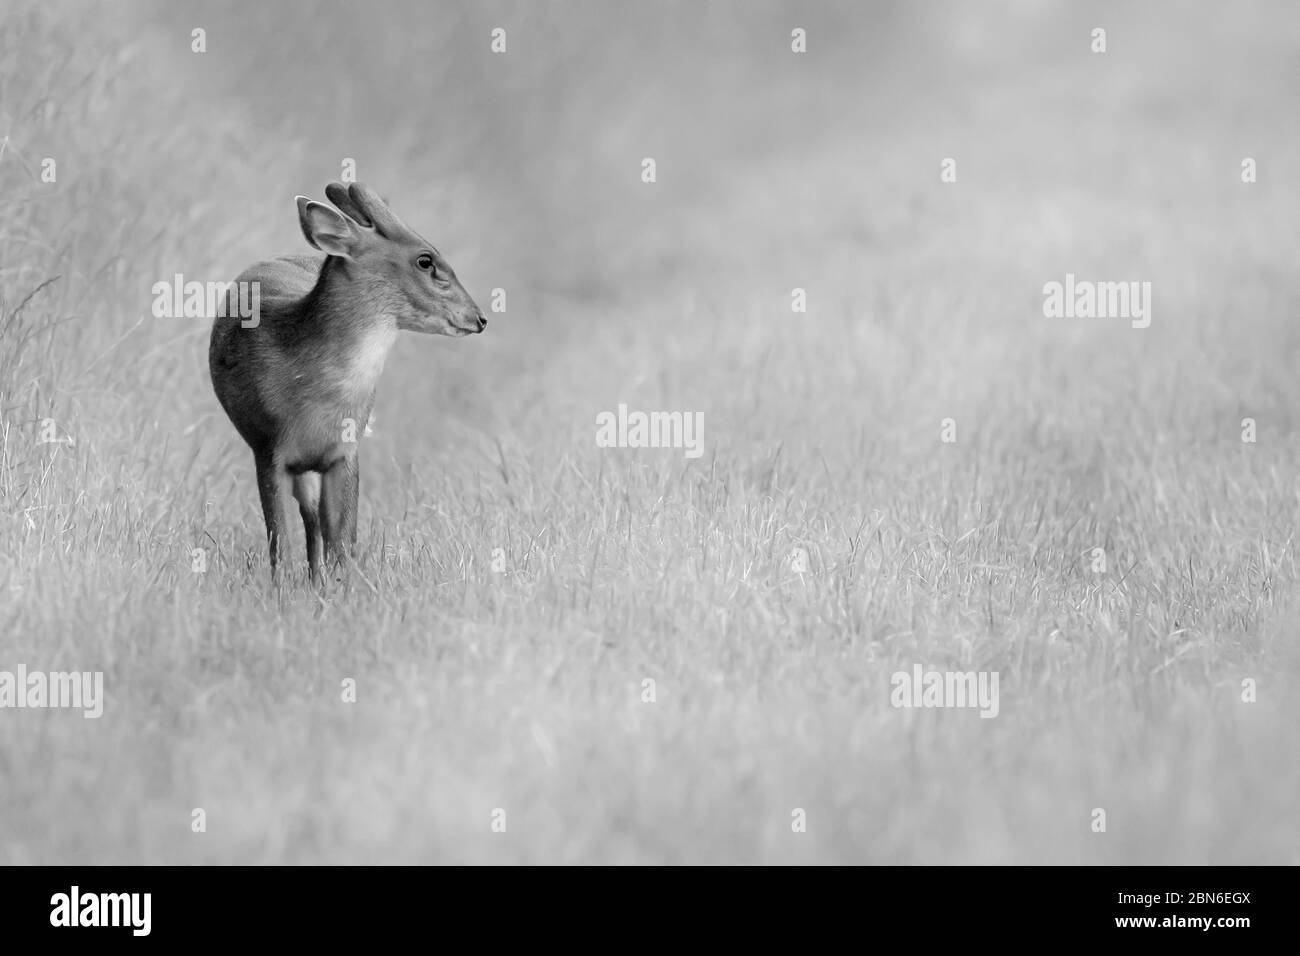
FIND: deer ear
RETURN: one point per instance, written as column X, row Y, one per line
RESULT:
column 329, row 231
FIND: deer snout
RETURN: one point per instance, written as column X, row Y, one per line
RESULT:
column 482, row 323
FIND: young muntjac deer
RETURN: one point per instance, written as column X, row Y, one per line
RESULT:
column 299, row 383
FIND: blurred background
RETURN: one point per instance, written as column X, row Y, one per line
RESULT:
column 775, row 171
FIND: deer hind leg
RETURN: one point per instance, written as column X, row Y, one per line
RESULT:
column 307, row 489
column 273, row 487
column 340, row 487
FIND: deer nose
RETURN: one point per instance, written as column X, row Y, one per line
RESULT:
column 482, row 322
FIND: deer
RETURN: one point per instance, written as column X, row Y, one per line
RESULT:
column 298, row 382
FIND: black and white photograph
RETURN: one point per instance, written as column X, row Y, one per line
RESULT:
column 572, row 433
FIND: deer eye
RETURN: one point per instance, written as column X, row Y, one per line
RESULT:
column 425, row 262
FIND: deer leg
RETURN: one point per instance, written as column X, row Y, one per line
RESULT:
column 338, row 509
column 273, row 487
column 307, row 489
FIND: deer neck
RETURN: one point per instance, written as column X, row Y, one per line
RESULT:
column 347, row 320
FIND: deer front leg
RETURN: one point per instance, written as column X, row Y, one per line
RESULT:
column 340, row 487
column 306, row 488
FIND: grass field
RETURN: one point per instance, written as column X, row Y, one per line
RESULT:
column 522, row 690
